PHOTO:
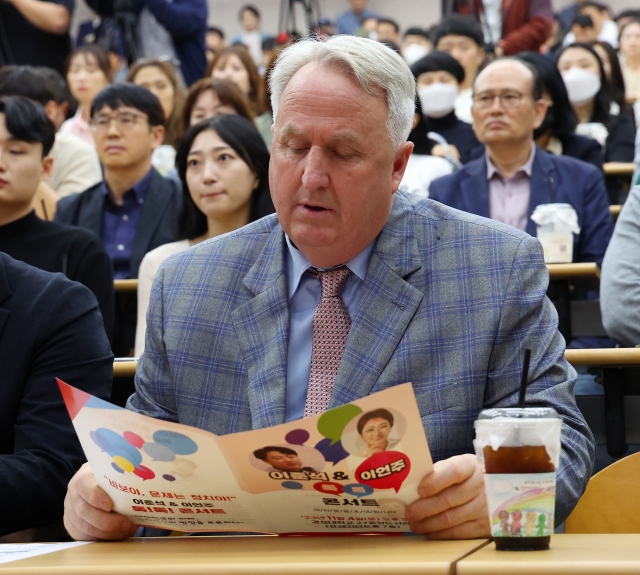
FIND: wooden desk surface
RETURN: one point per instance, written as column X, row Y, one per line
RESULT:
column 619, row 168
column 621, row 356
column 574, row 554
column 568, row 271
column 371, row 555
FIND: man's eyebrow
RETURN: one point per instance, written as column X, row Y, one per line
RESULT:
column 290, row 130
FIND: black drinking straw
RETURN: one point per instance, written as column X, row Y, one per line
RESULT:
column 525, row 377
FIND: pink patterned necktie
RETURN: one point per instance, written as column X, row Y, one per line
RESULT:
column 331, row 325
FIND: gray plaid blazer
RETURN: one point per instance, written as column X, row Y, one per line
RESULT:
column 450, row 301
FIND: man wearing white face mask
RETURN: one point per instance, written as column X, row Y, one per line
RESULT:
column 438, row 77
column 584, row 78
column 415, row 45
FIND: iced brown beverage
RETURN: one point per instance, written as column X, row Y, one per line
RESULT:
column 520, row 449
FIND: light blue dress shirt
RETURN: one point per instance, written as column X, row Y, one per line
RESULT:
column 304, row 292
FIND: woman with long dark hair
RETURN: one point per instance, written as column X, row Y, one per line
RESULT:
column 223, row 165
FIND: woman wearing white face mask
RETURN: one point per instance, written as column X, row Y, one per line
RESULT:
column 586, row 83
column 438, row 78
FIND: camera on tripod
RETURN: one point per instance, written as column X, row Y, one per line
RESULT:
column 310, row 9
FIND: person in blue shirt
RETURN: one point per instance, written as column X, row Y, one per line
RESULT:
column 134, row 209
column 349, row 21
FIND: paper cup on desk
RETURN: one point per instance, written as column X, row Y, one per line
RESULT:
column 556, row 225
column 520, row 448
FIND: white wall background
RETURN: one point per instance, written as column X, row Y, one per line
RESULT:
column 224, row 13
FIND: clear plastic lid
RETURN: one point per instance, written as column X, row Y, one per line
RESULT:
column 519, row 413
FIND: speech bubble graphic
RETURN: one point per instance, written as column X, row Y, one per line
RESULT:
column 144, row 472
column 116, row 467
column 117, row 445
column 133, row 438
column 333, row 452
column 291, row 485
column 332, row 423
column 168, row 477
column 124, row 464
column 297, row 437
column 158, row 452
column 358, row 489
column 177, row 442
column 100, row 441
column 384, row 470
column 328, row 487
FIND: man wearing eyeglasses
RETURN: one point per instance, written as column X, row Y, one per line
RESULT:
column 515, row 176
column 134, row 209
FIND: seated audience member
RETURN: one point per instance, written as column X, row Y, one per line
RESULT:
column 620, row 281
column 159, row 77
column 348, row 22
column 26, row 137
column 51, row 327
column 515, row 176
column 75, row 163
column 605, row 29
column 406, row 276
column 214, row 41
column 415, row 45
column 510, row 26
column 235, row 64
column 626, row 16
column 87, row 71
column 134, row 209
column 223, row 165
column 251, row 36
column 586, row 83
column 583, row 29
column 615, row 78
column 388, row 31
column 630, row 58
column 209, row 97
column 556, row 134
column 461, row 37
column 438, row 78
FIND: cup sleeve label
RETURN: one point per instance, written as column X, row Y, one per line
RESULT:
column 522, row 504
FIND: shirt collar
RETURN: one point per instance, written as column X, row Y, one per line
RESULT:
column 526, row 167
column 298, row 264
column 140, row 188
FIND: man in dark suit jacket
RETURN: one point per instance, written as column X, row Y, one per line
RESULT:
column 134, row 209
column 516, row 176
column 49, row 327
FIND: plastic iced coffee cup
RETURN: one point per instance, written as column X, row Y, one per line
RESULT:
column 520, row 448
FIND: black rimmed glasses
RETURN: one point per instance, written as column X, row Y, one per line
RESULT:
column 125, row 121
column 509, row 99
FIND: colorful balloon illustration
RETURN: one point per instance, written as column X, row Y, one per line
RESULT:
column 332, row 423
column 168, row 477
column 358, row 489
column 384, row 470
column 158, row 452
column 333, row 452
column 291, row 485
column 133, row 438
column 177, row 442
column 144, row 472
column 114, row 444
column 297, row 437
column 329, row 487
column 124, row 464
column 116, row 467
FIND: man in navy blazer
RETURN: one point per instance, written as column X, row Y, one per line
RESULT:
column 49, row 327
column 134, row 210
column 440, row 298
column 515, row 175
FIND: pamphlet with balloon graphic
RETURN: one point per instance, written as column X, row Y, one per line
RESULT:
column 353, row 469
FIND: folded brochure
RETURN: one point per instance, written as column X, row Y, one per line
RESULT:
column 352, row 469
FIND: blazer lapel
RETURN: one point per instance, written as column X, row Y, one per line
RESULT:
column 262, row 328
column 475, row 189
column 5, row 293
column 542, row 186
column 91, row 215
column 386, row 307
column 155, row 202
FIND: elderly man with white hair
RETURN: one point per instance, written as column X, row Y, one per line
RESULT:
column 237, row 335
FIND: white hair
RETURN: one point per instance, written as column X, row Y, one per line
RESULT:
column 376, row 67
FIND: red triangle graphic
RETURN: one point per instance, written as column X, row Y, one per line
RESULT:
column 74, row 398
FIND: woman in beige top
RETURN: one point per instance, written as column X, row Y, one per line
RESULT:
column 223, row 164
column 630, row 59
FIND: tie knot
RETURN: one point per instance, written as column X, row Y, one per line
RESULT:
column 331, row 281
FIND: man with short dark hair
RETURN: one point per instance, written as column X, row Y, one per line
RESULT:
column 415, row 44
column 76, row 166
column 134, row 209
column 281, row 459
column 348, row 22
column 26, row 137
column 516, row 176
column 388, row 30
column 604, row 29
column 461, row 37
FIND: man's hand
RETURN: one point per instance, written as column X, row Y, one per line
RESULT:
column 87, row 511
column 440, row 151
column 452, row 502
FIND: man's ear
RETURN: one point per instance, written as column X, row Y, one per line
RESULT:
column 157, row 136
column 400, row 164
column 51, row 110
column 47, row 168
column 540, row 110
